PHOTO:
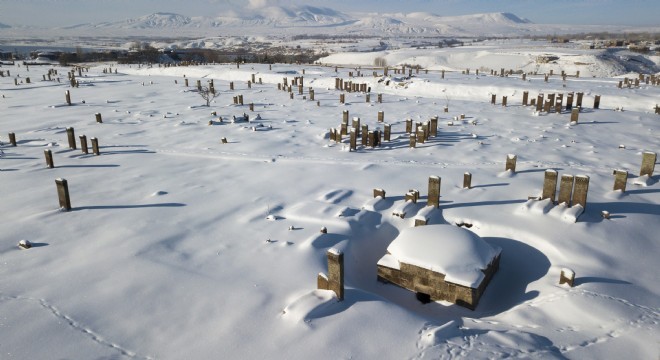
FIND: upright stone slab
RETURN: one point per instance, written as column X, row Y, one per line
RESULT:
column 565, row 189
column 493, row 99
column 575, row 114
column 648, row 163
column 549, row 185
column 569, row 101
column 413, row 141
column 343, row 129
column 580, row 191
column 380, row 98
column 371, row 139
column 504, row 101
column 365, row 135
column 98, row 118
column 95, row 146
column 388, row 132
column 409, row 125
column 547, row 106
column 12, row 138
column 341, row 98
column 381, row 116
column 70, row 133
column 434, row 126
column 336, row 272
column 67, row 97
column 49, row 158
column 511, row 162
column 83, row 144
column 539, row 102
column 420, row 136
column 467, row 180
column 578, row 102
column 620, row 180
column 596, row 101
column 63, row 194
column 525, row 97
column 353, row 140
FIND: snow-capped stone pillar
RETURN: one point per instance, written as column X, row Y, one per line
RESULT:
column 344, row 118
column 379, row 192
column 620, row 180
column 63, row 194
column 70, row 133
column 434, row 192
column 49, row 158
column 83, row 144
column 467, row 180
column 575, row 115
column 648, row 163
column 580, row 191
column 388, row 132
column 565, row 189
column 336, row 272
column 511, row 162
column 434, row 126
column 409, row 124
column 95, row 146
column 549, row 185
column 67, row 96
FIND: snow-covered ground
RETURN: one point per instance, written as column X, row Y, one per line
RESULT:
column 169, row 251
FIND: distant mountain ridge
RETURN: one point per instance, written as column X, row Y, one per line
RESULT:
column 281, row 17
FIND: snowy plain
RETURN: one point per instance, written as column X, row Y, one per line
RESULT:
column 169, row 251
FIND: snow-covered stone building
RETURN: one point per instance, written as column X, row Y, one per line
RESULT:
column 440, row 262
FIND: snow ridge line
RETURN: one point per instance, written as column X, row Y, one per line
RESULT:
column 77, row 326
column 268, row 158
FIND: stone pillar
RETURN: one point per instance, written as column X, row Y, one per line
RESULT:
column 442, row 76
column 83, row 144
column 565, row 189
column 380, row 98
column 63, row 194
column 420, row 136
column 251, row 106
column 409, row 124
column 596, row 101
column 648, row 163
column 253, row 78
column 381, row 116
column 231, row 85
column 67, row 96
column 371, row 139
column 311, row 94
column 199, row 85
column 580, row 191
column 575, row 114
column 49, row 158
column 413, row 141
column 525, row 97
column 504, row 101
column 511, row 162
column 578, row 102
column 336, row 272
column 368, row 98
column 467, row 180
column 71, row 137
column 353, row 140
column 620, row 180
column 569, row 101
column 388, row 132
column 434, row 126
column 549, row 185
column 365, row 135
column 524, row 77
column 12, row 138
column 95, row 146
column 539, row 102
column 343, row 128
column 341, row 98
column 493, row 99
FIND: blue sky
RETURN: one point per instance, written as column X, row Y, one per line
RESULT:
column 70, row 12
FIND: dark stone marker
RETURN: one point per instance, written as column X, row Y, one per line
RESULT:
column 70, row 133
column 95, row 146
column 49, row 158
column 63, row 194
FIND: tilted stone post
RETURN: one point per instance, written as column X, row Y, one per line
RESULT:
column 98, row 118
column 648, row 163
column 12, row 138
column 49, row 158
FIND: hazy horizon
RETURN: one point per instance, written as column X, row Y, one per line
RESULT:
column 54, row 13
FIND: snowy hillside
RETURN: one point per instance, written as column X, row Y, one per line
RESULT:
column 182, row 246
